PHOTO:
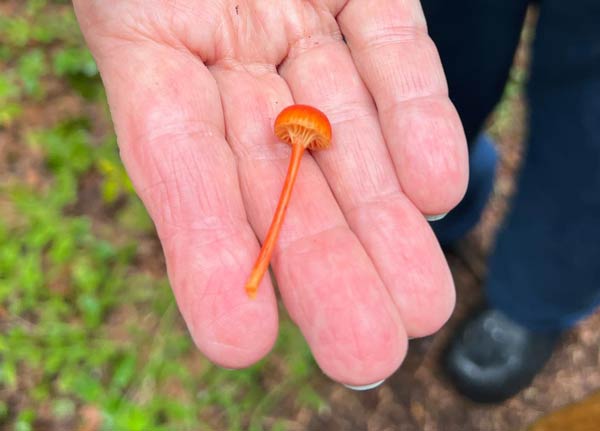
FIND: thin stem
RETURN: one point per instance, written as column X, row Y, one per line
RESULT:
column 262, row 262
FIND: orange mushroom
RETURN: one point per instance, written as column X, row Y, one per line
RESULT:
column 302, row 127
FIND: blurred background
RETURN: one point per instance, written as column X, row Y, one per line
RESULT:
column 90, row 337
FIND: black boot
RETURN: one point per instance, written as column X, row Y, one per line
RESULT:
column 492, row 357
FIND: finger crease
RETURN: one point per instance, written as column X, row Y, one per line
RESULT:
column 391, row 35
column 283, row 247
column 374, row 200
column 303, row 44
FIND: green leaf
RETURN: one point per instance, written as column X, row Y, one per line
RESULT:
column 9, row 113
column 133, row 419
column 91, row 309
column 8, row 374
column 15, row 30
column 88, row 388
column 63, row 408
column 73, row 61
column 32, row 66
column 25, row 420
column 124, row 371
column 8, row 87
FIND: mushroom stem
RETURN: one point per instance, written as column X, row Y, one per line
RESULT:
column 262, row 262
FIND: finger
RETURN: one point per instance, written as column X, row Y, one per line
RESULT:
column 327, row 281
column 402, row 70
column 167, row 114
column 362, row 177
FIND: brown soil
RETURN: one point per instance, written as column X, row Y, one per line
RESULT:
column 419, row 397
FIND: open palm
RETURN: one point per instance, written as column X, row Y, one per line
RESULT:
column 194, row 87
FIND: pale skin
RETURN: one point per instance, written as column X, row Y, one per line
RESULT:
column 194, row 87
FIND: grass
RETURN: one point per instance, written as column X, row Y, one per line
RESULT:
column 90, row 337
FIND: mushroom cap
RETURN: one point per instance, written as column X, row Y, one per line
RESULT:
column 304, row 125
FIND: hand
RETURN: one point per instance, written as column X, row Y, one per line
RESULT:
column 194, row 88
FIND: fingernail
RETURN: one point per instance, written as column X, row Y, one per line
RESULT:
column 435, row 217
column 365, row 387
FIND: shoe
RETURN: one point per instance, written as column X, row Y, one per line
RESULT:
column 492, row 358
column 483, row 160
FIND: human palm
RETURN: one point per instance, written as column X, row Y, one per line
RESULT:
column 194, row 87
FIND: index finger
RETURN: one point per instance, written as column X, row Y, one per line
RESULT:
column 402, row 70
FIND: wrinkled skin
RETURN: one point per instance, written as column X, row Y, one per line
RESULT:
column 194, row 87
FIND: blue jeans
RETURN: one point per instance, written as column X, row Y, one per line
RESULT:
column 545, row 269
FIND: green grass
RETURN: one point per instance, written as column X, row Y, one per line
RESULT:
column 85, row 322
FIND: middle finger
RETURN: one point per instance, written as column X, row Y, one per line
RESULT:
column 327, row 281
column 358, row 167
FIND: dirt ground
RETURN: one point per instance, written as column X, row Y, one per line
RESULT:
column 419, row 397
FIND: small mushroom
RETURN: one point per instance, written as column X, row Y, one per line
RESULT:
column 302, row 127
